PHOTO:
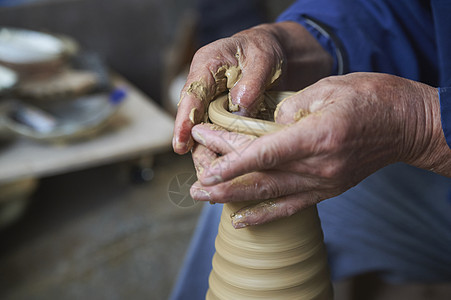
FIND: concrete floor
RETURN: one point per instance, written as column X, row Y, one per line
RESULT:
column 93, row 235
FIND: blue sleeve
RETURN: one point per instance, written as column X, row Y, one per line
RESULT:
column 394, row 37
column 404, row 37
column 445, row 112
column 322, row 35
column 441, row 11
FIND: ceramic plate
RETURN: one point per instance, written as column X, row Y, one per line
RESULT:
column 8, row 78
column 19, row 46
column 63, row 121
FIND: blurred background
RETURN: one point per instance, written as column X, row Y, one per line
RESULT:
column 93, row 203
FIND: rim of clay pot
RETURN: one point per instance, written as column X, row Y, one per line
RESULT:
column 219, row 115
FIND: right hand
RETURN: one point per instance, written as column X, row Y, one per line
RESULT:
column 338, row 131
column 259, row 54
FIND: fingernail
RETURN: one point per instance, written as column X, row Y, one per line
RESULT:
column 212, row 179
column 178, row 145
column 192, row 116
column 200, row 194
column 198, row 137
column 181, row 146
column 239, row 225
column 238, row 221
column 196, row 185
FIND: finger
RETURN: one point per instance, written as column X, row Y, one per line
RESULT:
column 257, row 75
column 202, row 158
column 254, row 186
column 206, row 80
column 271, row 210
column 308, row 101
column 220, row 140
column 292, row 143
column 182, row 141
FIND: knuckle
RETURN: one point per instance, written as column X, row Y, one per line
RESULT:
column 334, row 84
column 335, row 171
column 267, row 157
column 202, row 53
column 219, row 195
column 370, row 86
column 325, row 81
column 331, row 145
column 329, row 172
column 268, row 189
column 328, row 82
column 290, row 209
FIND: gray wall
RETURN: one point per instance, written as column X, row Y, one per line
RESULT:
column 131, row 35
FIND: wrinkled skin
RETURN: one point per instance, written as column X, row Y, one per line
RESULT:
column 338, row 131
column 260, row 53
column 356, row 124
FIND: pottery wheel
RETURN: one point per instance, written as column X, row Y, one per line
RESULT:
column 285, row 259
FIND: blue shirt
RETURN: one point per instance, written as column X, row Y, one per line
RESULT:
column 397, row 222
column 408, row 38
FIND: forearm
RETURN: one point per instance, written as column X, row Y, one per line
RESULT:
column 437, row 155
column 306, row 61
column 430, row 151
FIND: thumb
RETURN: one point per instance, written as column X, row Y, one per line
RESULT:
column 297, row 106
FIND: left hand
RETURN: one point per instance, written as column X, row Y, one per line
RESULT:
column 339, row 131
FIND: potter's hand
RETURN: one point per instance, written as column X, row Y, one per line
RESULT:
column 247, row 64
column 339, row 131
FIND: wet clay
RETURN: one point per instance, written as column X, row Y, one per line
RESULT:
column 204, row 94
column 300, row 114
column 226, row 77
column 285, row 97
column 284, row 259
column 199, row 90
column 233, row 75
column 192, row 115
column 267, row 206
column 276, row 72
column 233, row 107
column 219, row 115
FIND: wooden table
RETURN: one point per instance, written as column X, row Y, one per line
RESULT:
column 141, row 128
